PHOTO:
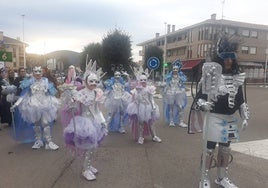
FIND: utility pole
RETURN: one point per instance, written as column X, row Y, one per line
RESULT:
column 165, row 52
column 265, row 66
column 24, row 55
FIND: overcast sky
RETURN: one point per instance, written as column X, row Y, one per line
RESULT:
column 51, row 25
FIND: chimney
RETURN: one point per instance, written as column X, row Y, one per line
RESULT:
column 213, row 16
column 173, row 28
column 168, row 28
column 157, row 35
column 1, row 35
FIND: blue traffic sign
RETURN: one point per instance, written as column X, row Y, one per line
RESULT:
column 153, row 63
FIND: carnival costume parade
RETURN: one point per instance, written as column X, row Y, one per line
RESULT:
column 38, row 107
column 117, row 99
column 143, row 111
column 219, row 97
column 87, row 127
column 174, row 96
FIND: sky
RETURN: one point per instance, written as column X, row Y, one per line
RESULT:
column 51, row 25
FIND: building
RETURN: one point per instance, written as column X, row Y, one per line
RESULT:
column 15, row 49
column 194, row 43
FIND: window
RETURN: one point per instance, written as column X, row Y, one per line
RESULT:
column 245, row 33
column 231, row 31
column 254, row 34
column 244, row 49
column 252, row 50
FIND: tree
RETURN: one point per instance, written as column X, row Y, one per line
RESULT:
column 94, row 52
column 116, row 47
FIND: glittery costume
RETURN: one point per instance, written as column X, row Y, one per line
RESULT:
column 143, row 111
column 87, row 127
column 174, row 96
column 117, row 99
column 221, row 122
column 38, row 106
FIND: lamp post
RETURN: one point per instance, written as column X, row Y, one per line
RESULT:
column 265, row 66
column 24, row 57
column 165, row 52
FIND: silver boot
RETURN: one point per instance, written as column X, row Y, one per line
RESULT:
column 88, row 170
column 49, row 144
column 222, row 168
column 205, row 180
column 38, row 138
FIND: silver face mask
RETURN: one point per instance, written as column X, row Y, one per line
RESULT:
column 117, row 74
column 92, row 79
column 37, row 70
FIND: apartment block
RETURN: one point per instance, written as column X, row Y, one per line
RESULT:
column 13, row 47
column 195, row 43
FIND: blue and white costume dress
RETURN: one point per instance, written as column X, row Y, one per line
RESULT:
column 117, row 99
column 174, row 98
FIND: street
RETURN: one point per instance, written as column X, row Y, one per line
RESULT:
column 122, row 163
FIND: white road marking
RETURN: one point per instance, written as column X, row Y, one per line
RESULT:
column 257, row 148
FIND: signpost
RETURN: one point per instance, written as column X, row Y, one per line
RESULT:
column 153, row 63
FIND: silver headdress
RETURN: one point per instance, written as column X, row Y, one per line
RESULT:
column 140, row 73
column 92, row 73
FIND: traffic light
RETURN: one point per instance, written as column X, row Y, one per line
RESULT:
column 165, row 64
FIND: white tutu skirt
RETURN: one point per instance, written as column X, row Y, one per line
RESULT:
column 35, row 108
column 83, row 133
column 179, row 99
column 144, row 112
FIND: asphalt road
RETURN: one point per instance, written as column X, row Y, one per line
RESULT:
column 122, row 163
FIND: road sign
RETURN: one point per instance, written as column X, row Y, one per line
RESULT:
column 153, row 63
column 6, row 56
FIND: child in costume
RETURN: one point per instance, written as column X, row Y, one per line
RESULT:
column 143, row 111
column 174, row 96
column 87, row 127
column 117, row 99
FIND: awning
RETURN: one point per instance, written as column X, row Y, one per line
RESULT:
column 250, row 64
column 189, row 64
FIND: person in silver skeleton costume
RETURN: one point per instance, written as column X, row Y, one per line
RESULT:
column 87, row 129
column 116, row 101
column 222, row 122
column 175, row 98
column 143, row 111
column 38, row 106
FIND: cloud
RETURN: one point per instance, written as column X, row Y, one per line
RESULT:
column 76, row 23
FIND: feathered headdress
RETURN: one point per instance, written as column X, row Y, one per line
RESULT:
column 227, row 46
column 140, row 71
column 91, row 68
column 177, row 65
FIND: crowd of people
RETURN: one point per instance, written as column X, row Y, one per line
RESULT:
column 33, row 102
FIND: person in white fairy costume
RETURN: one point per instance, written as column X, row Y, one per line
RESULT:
column 118, row 97
column 175, row 99
column 86, row 129
column 38, row 106
column 143, row 111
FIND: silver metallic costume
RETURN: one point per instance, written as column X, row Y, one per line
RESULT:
column 175, row 98
column 39, row 106
column 117, row 99
column 87, row 127
column 143, row 111
column 220, row 98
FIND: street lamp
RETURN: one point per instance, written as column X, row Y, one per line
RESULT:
column 24, row 57
column 165, row 52
column 265, row 66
